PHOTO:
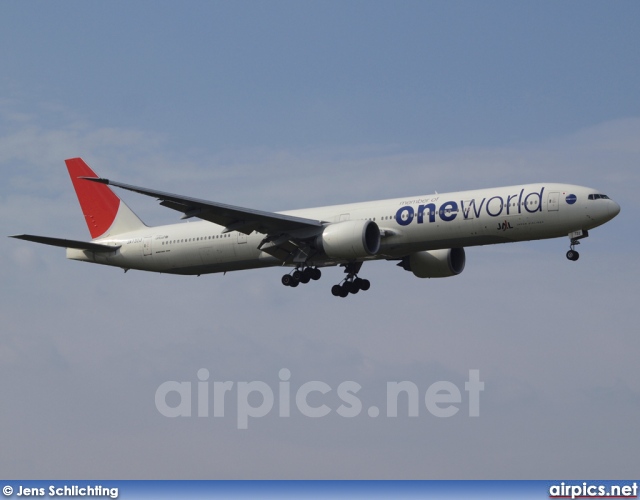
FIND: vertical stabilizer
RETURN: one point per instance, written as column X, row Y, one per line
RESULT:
column 104, row 213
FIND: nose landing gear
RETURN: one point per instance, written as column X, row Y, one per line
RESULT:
column 573, row 254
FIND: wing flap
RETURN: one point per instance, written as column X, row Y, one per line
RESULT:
column 64, row 243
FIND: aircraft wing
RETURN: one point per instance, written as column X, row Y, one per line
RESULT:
column 233, row 218
column 60, row 242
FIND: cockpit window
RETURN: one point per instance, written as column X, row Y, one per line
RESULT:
column 598, row 197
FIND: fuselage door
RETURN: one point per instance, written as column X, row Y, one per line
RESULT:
column 242, row 238
column 146, row 246
column 552, row 202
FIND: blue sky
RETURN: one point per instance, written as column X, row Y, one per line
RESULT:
column 415, row 75
column 285, row 105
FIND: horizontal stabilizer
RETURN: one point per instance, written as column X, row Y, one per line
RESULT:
column 60, row 242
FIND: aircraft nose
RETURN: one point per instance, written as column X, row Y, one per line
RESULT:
column 614, row 209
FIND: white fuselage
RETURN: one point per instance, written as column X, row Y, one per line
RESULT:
column 407, row 225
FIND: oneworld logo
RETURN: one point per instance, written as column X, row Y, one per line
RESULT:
column 495, row 206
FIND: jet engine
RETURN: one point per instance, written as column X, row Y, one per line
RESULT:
column 435, row 263
column 351, row 239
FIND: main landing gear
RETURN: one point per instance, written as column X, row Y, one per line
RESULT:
column 573, row 254
column 351, row 284
column 301, row 276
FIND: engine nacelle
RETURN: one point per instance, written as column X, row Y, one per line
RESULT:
column 435, row 263
column 350, row 239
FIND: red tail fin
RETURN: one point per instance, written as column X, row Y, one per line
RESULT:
column 99, row 204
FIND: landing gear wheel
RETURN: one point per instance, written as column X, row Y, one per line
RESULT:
column 351, row 284
column 301, row 275
column 573, row 255
column 287, row 279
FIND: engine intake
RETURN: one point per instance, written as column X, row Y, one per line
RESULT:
column 435, row 263
column 351, row 239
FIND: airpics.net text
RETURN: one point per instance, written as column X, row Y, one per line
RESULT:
column 257, row 399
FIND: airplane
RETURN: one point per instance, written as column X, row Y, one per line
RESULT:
column 426, row 235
